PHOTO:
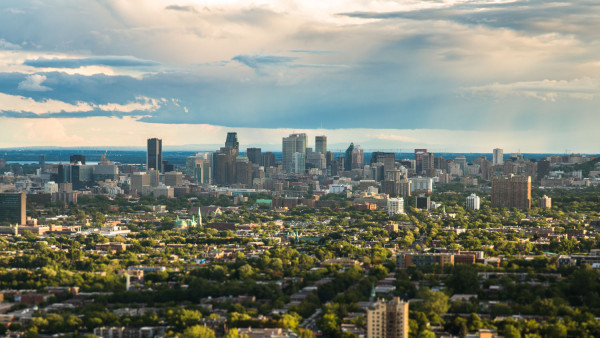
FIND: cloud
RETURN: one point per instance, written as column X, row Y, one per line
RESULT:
column 312, row 51
column 258, row 61
column 584, row 88
column 29, row 107
column 190, row 9
column 111, row 61
column 8, row 46
column 34, row 83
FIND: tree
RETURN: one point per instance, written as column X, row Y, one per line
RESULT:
column 434, row 301
column 510, row 331
column 198, row 331
column 305, row 333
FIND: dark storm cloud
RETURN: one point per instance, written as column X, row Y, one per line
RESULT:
column 535, row 16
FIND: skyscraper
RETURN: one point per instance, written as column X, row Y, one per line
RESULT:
column 12, row 208
column 321, row 144
column 232, row 141
column 419, row 159
column 498, row 157
column 513, row 191
column 154, row 154
column 254, row 155
column 348, row 158
column 295, row 143
column 387, row 319
column 358, row 157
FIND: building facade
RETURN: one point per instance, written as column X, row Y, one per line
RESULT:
column 473, row 202
column 154, row 158
column 388, row 319
column 395, row 206
column 545, row 202
column 321, row 144
column 498, row 157
column 512, row 191
column 13, row 207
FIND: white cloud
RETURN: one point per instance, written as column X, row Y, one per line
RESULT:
column 22, row 104
column 7, row 45
column 546, row 90
column 34, row 83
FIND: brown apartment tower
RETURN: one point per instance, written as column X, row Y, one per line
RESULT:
column 513, row 191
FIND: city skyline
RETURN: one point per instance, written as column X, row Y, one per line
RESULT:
column 445, row 75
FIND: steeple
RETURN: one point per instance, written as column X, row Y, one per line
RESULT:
column 372, row 296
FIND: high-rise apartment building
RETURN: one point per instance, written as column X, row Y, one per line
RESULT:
column 473, row 202
column 395, row 206
column 387, row 319
column 13, row 207
column 295, row 143
column 513, row 191
column 154, row 154
column 498, row 157
column 321, row 144
column 545, row 202
column 254, row 155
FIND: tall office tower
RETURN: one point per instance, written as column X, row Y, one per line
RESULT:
column 42, row 160
column 12, row 208
column 298, row 163
column 329, row 158
column 358, row 157
column 428, row 163
column 388, row 159
column 473, row 202
column 81, row 175
column 225, row 166
column 513, row 191
column 545, row 202
column 387, row 319
column 295, row 143
column 440, row 163
column 321, row 144
column 498, row 158
column 75, row 159
column 154, row 154
column 232, row 141
column 268, row 159
column 419, row 159
column 348, row 158
column 315, row 160
column 254, row 155
column 243, row 171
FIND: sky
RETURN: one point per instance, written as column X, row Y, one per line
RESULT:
column 447, row 75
